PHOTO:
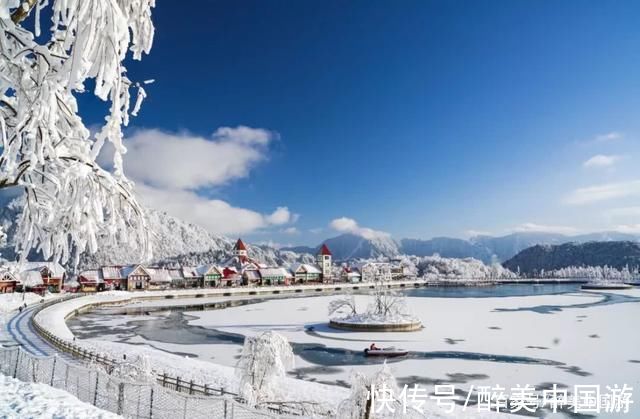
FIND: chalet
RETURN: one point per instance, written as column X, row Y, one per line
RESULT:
column 177, row 277
column 240, row 268
column 159, row 278
column 72, row 285
column 137, row 277
column 185, row 277
column 251, row 277
column 91, row 280
column 192, row 279
column 351, row 275
column 275, row 276
column 211, row 275
column 322, row 271
column 375, row 271
column 113, row 278
column 303, row 272
column 38, row 276
column 397, row 269
column 8, row 282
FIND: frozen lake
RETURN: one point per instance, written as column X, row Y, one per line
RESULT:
column 506, row 335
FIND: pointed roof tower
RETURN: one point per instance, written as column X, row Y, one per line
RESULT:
column 240, row 245
column 324, row 250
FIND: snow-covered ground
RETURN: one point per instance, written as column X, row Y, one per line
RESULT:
column 568, row 339
column 11, row 301
column 497, row 326
column 33, row 400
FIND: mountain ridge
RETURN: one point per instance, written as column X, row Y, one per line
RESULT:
column 615, row 254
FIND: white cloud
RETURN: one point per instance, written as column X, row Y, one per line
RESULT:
column 282, row 215
column 541, row 228
column 349, row 225
column 291, row 231
column 610, row 136
column 316, row 230
column 185, row 161
column 601, row 160
column 170, row 168
column 628, row 228
column 215, row 215
column 604, row 192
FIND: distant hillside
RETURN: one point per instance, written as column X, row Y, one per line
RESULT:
column 616, row 254
column 173, row 241
column 485, row 248
column 351, row 246
column 446, row 247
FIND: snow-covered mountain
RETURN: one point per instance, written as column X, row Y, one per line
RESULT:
column 173, row 241
column 351, row 246
column 614, row 254
column 485, row 248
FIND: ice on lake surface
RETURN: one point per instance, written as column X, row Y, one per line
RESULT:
column 507, row 335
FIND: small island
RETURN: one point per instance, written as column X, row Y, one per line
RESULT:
column 386, row 313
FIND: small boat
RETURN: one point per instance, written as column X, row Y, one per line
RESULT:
column 385, row 352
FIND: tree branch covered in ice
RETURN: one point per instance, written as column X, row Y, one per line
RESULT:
column 344, row 302
column 600, row 273
column 264, row 361
column 357, row 405
column 387, row 302
column 387, row 306
column 46, row 149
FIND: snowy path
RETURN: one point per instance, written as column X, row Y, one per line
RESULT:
column 19, row 331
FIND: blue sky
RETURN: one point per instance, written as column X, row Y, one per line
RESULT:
column 413, row 118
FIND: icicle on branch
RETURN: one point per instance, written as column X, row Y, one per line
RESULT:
column 71, row 203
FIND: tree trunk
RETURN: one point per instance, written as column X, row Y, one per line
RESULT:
column 23, row 11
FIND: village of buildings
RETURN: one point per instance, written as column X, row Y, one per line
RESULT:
column 239, row 270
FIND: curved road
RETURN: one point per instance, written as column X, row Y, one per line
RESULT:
column 20, row 330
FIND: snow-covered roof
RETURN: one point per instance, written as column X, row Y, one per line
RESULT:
column 128, row 270
column 57, row 271
column 190, row 272
column 112, row 272
column 175, row 274
column 252, row 274
column 305, row 267
column 30, row 278
column 93, row 275
column 363, row 265
column 7, row 276
column 209, row 269
column 71, row 284
column 269, row 272
column 158, row 275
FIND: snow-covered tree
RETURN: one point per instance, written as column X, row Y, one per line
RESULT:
column 71, row 201
column 358, row 405
column 386, row 302
column 346, row 302
column 3, row 240
column 264, row 361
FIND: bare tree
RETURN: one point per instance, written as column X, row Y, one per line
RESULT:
column 386, row 301
column 346, row 301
